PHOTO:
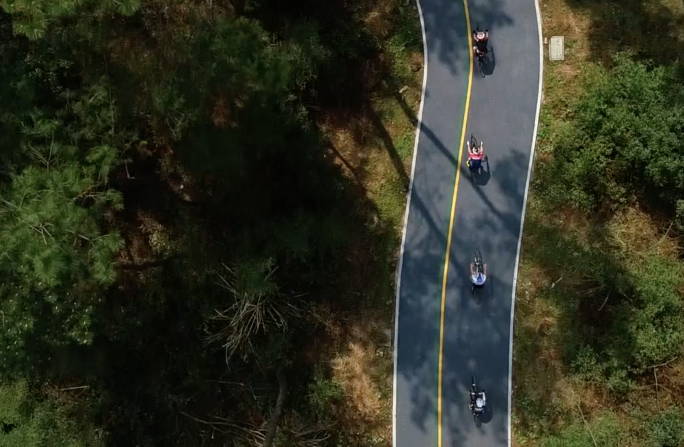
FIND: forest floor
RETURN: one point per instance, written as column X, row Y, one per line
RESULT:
column 546, row 397
column 374, row 146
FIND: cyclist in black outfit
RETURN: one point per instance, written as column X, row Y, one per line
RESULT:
column 480, row 38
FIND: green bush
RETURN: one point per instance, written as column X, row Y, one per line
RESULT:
column 643, row 325
column 323, row 393
column 626, row 137
column 666, row 429
column 604, row 431
column 29, row 422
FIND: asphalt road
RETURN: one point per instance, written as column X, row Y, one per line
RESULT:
column 500, row 109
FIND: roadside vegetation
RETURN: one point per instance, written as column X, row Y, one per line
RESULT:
column 200, row 212
column 599, row 327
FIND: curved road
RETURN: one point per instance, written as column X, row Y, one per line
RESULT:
column 442, row 337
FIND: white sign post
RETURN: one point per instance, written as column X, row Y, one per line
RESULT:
column 557, row 48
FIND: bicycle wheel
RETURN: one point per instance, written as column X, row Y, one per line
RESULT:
column 478, row 260
column 476, row 417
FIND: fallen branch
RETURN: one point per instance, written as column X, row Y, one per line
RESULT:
column 604, row 302
column 75, row 388
column 586, row 423
column 655, row 374
column 226, row 383
column 213, row 425
column 663, row 364
column 277, row 411
column 664, row 235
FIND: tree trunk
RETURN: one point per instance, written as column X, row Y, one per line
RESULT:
column 277, row 411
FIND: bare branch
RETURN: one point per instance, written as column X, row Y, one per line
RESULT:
column 663, row 364
column 277, row 411
column 75, row 388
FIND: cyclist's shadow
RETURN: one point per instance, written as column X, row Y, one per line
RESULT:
column 489, row 293
column 487, row 415
column 482, row 176
column 485, row 294
column 489, row 63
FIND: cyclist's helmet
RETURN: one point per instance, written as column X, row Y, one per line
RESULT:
column 480, row 276
column 476, row 149
column 480, row 35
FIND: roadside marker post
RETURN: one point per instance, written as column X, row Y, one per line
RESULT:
column 557, row 48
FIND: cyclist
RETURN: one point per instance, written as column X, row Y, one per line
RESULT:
column 478, row 401
column 480, row 38
column 475, row 155
column 478, row 278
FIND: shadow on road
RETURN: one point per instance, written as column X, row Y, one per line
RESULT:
column 446, row 28
column 482, row 328
column 476, row 337
column 482, row 176
column 490, row 63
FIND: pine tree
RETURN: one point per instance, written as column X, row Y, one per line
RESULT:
column 56, row 256
column 32, row 17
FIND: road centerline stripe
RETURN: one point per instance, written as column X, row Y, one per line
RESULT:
column 451, row 227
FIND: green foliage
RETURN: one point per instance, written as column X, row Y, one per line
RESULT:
column 645, row 326
column 323, row 393
column 623, row 141
column 604, row 431
column 52, row 209
column 657, row 321
column 625, row 137
column 55, row 255
column 33, row 17
column 203, row 121
column 666, row 429
column 29, row 422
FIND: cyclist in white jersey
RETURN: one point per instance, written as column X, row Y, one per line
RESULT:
column 478, row 278
column 478, row 401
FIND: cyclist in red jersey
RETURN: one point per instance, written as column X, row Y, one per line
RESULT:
column 475, row 155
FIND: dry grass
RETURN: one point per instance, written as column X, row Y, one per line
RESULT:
column 562, row 81
column 361, row 369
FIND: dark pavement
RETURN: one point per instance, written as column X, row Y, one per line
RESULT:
column 488, row 215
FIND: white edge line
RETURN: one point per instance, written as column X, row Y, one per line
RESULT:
column 419, row 121
column 522, row 220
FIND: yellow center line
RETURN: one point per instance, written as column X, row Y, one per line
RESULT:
column 451, row 228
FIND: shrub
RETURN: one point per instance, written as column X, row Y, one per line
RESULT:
column 666, row 429
column 626, row 138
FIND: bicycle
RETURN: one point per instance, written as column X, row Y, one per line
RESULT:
column 479, row 268
column 481, row 56
column 477, row 411
column 473, row 171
